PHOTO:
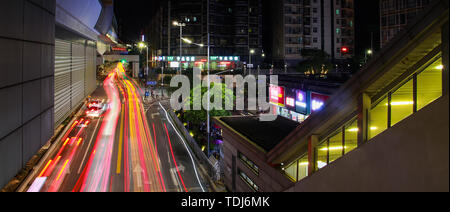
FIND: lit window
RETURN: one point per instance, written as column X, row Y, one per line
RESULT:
column 291, row 171
column 429, row 85
column 378, row 118
column 303, row 167
column 322, row 155
column 402, row 103
column 351, row 136
column 298, row 170
column 335, row 148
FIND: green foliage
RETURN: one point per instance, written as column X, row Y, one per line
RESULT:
column 197, row 117
column 317, row 62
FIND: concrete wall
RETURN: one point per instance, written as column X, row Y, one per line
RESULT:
column 26, row 81
column 394, row 160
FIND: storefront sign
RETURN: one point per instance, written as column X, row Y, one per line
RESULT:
column 174, row 64
column 318, row 101
column 277, row 95
column 290, row 102
column 300, row 102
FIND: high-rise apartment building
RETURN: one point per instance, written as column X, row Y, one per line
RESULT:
column 396, row 14
column 299, row 25
column 235, row 28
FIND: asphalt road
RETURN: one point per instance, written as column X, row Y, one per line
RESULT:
column 127, row 149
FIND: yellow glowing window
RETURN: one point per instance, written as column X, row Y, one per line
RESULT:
column 322, row 155
column 351, row 136
column 378, row 118
column 291, row 171
column 303, row 167
column 402, row 103
column 429, row 84
column 335, row 148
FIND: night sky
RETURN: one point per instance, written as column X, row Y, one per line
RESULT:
column 133, row 15
column 367, row 21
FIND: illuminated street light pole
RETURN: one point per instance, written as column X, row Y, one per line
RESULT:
column 368, row 53
column 208, row 80
column 181, row 25
column 252, row 51
column 141, row 46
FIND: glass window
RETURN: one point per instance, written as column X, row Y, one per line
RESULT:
column 378, row 118
column 335, row 148
column 303, row 167
column 248, row 181
column 351, row 136
column 402, row 103
column 322, row 155
column 291, row 171
column 429, row 84
column 250, row 164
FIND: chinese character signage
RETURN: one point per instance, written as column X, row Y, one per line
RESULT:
column 277, row 95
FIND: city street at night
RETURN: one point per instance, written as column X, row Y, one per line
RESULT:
column 223, row 104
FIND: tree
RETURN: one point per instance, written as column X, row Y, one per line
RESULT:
column 197, row 117
column 317, row 62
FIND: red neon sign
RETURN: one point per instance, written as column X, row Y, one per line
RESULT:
column 277, row 96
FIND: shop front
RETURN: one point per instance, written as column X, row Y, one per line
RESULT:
column 218, row 63
column 295, row 104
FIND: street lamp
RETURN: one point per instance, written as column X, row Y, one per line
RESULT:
column 141, row 46
column 369, row 52
column 232, row 70
column 192, row 43
column 252, row 51
column 181, row 25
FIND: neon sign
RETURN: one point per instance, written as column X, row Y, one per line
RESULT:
column 318, row 101
column 290, row 102
column 277, row 95
column 300, row 102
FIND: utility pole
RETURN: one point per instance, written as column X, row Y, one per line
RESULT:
column 181, row 47
column 208, row 80
column 169, row 29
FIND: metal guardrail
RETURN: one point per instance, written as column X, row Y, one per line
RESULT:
column 212, row 171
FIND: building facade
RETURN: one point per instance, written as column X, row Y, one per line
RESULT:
column 299, row 25
column 49, row 59
column 27, row 37
column 395, row 15
column 235, row 28
column 386, row 129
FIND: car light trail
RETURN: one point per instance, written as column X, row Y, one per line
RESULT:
column 185, row 146
column 98, row 169
column 173, row 157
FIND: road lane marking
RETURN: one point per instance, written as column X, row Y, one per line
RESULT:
column 185, row 146
column 119, row 157
column 90, row 141
column 173, row 174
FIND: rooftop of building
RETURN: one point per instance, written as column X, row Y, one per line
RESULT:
column 265, row 134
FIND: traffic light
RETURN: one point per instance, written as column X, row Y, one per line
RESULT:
column 123, row 61
column 344, row 50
